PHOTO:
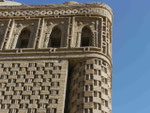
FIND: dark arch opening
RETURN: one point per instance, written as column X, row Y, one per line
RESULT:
column 23, row 39
column 55, row 38
column 86, row 37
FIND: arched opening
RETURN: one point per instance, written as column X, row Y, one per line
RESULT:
column 86, row 37
column 55, row 38
column 23, row 39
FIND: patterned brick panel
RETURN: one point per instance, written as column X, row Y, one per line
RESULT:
column 33, row 86
column 90, row 88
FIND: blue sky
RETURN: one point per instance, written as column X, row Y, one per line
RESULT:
column 131, row 53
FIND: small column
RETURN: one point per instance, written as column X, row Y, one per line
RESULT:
column 46, row 39
column 39, row 33
column 8, row 33
column 78, row 41
column 70, row 33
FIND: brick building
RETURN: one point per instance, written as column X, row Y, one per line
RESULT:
column 55, row 58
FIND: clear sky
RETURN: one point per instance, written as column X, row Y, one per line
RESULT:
column 131, row 53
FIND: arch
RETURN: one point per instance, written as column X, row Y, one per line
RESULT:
column 23, row 38
column 55, row 37
column 86, row 37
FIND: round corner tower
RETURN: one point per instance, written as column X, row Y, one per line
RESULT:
column 55, row 58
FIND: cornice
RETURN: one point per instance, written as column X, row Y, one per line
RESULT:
column 54, row 53
column 57, row 9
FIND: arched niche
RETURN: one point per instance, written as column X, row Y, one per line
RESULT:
column 86, row 37
column 55, row 38
column 23, row 39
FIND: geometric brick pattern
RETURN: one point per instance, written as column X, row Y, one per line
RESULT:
column 71, row 75
column 33, row 87
column 90, row 87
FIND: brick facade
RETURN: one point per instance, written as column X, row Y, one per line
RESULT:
column 56, row 58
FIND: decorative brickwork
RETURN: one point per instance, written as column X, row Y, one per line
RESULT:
column 90, row 87
column 33, row 87
column 55, row 58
